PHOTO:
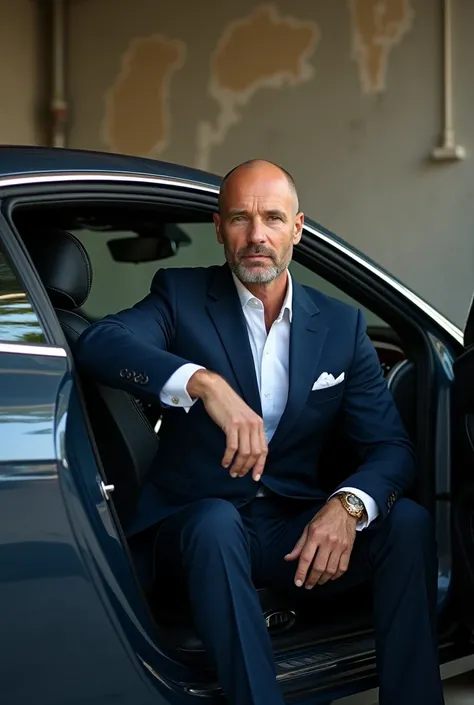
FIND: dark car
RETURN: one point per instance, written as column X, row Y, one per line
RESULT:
column 81, row 235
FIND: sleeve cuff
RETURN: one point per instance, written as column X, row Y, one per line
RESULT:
column 370, row 505
column 174, row 392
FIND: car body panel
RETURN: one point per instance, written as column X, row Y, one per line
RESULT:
column 52, row 611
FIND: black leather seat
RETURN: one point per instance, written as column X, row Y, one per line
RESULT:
column 126, row 441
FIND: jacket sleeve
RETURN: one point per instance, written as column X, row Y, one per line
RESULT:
column 131, row 349
column 387, row 460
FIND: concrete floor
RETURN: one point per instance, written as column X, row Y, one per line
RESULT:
column 458, row 678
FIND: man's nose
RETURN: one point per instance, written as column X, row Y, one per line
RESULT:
column 257, row 232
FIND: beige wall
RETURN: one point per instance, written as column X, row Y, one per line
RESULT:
column 19, row 80
column 357, row 143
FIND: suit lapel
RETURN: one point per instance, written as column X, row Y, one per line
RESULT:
column 307, row 337
column 224, row 307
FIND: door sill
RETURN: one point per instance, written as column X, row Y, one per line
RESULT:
column 312, row 670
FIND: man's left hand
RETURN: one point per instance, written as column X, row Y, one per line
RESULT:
column 325, row 546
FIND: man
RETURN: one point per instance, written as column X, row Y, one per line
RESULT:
column 257, row 367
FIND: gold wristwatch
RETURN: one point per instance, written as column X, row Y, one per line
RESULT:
column 352, row 504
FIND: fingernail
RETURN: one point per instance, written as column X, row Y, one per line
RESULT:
column 308, row 587
column 233, row 474
column 299, row 583
column 257, row 478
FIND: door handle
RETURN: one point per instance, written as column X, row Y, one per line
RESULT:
column 106, row 490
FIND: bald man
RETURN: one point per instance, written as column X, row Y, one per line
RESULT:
column 252, row 369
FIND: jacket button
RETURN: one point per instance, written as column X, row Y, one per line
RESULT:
column 123, row 373
column 145, row 379
column 137, row 379
column 129, row 375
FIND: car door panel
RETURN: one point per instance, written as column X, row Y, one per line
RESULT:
column 62, row 634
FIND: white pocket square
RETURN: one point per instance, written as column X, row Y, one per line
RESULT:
column 327, row 380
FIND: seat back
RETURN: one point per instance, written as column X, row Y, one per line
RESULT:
column 125, row 439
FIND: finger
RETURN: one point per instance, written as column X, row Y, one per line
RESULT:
column 298, row 546
column 319, row 567
column 331, row 568
column 232, row 444
column 305, row 562
column 262, row 457
column 255, row 448
column 243, row 452
column 343, row 565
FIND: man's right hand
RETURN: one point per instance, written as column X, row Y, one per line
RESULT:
column 246, row 447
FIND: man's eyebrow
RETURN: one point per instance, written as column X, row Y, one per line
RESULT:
column 241, row 211
column 237, row 211
column 276, row 211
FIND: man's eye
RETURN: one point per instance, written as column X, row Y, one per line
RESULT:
column 275, row 217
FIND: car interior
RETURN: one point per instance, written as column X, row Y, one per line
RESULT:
column 97, row 258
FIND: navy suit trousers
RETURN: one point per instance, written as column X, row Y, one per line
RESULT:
column 223, row 554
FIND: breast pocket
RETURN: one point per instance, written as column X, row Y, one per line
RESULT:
column 319, row 396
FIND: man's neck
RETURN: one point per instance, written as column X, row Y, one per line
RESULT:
column 272, row 295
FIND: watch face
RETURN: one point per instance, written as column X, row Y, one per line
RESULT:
column 354, row 501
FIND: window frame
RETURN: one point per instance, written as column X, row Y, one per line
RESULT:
column 28, row 280
column 348, row 270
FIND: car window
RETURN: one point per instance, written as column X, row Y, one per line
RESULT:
column 18, row 321
column 117, row 285
column 308, row 278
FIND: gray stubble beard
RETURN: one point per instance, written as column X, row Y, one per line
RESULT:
column 258, row 274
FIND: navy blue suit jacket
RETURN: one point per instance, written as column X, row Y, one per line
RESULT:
column 194, row 315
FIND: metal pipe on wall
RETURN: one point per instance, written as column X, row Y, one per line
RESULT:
column 448, row 149
column 58, row 102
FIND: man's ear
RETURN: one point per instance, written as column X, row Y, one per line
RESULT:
column 299, row 222
column 217, row 224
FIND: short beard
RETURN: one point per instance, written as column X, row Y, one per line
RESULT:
column 258, row 274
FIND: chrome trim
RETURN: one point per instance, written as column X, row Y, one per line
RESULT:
column 437, row 317
column 288, row 617
column 20, row 180
column 28, row 349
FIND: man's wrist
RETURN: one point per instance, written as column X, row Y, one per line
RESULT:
column 337, row 498
column 201, row 383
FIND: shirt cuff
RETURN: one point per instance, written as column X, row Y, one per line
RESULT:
column 174, row 392
column 371, row 507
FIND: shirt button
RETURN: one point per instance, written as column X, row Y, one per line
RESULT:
column 255, row 303
column 268, row 394
column 175, row 400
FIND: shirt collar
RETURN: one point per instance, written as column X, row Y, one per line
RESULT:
column 246, row 296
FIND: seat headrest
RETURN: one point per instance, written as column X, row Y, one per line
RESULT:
column 63, row 265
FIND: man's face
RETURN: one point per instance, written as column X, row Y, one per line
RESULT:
column 258, row 223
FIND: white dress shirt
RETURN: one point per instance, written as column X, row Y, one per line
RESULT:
column 271, row 354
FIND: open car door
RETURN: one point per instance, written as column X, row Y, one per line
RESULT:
column 463, row 478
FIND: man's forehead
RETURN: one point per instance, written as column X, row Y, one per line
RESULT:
column 271, row 192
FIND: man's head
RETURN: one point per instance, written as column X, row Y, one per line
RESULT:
column 258, row 221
